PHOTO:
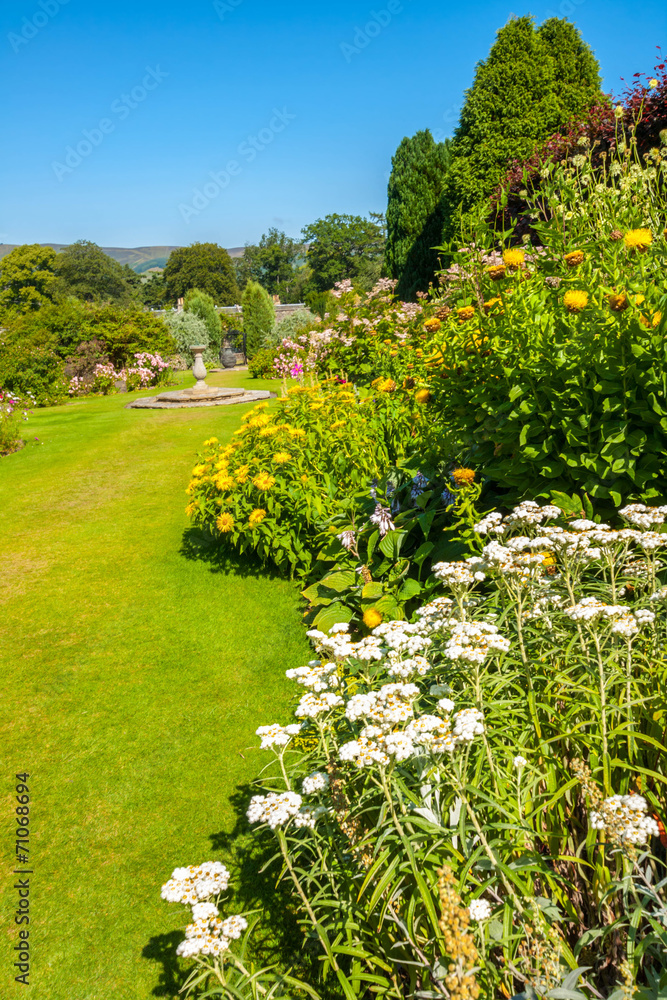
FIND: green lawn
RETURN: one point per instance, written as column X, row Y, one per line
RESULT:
column 134, row 678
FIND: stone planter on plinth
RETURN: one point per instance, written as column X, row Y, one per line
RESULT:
column 199, row 368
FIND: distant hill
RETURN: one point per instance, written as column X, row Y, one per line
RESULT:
column 140, row 259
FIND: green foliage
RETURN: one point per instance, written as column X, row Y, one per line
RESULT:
column 261, row 365
column 272, row 490
column 455, row 838
column 27, row 278
column 201, row 305
column 87, row 272
column 300, row 321
column 532, row 82
column 259, row 316
column 153, row 292
column 272, row 262
column 187, row 328
column 32, row 372
column 205, row 266
column 385, row 570
column 340, row 244
column 557, row 382
column 321, row 303
column 415, row 212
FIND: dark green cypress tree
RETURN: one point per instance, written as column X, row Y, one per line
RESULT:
column 533, row 81
column 259, row 316
column 414, row 212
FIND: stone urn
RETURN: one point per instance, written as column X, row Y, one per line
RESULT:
column 227, row 356
column 198, row 367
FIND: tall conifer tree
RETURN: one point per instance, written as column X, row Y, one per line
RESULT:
column 414, row 211
column 533, row 81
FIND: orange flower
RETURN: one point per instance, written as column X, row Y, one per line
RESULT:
column 432, row 324
column 463, row 476
column 574, row 258
column 465, row 312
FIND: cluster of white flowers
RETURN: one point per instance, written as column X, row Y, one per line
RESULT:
column 312, row 705
column 458, row 574
column 432, row 732
column 391, row 704
column 396, row 667
column 195, row 883
column 318, row 781
column 479, row 909
column 642, row 516
column 402, row 636
column 277, row 736
column 468, row 723
column 528, row 514
column 437, row 614
column 308, row 816
column 519, row 762
column 471, row 642
column 623, row 620
column 625, row 818
column 207, row 934
column 315, row 676
column 276, row 809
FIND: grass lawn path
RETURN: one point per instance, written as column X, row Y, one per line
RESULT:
column 133, row 680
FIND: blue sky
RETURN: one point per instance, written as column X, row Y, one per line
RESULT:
column 121, row 111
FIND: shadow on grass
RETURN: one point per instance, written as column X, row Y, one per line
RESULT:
column 255, row 885
column 198, row 544
column 162, row 949
column 255, row 880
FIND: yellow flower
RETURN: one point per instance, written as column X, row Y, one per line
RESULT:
column 639, row 299
column 386, row 341
column 263, row 481
column 282, row 458
column 574, row 258
column 496, row 272
column 242, row 473
column 548, row 559
column 574, row 300
column 337, row 425
column 638, row 239
column 261, row 420
column 297, row 432
column 617, row 302
column 422, row 396
column 225, row 522
column 192, row 486
column 388, row 385
column 256, row 517
column 268, row 432
column 463, row 476
column 304, row 478
column 490, row 305
column 241, row 430
column 199, row 470
column 432, row 324
column 652, row 84
column 465, row 312
column 223, row 464
column 224, row 482
column 210, row 442
column 408, row 383
column 513, row 258
column 372, row 618
column 191, row 508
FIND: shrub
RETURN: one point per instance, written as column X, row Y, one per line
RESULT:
column 258, row 316
column 291, row 326
column 186, row 329
column 81, row 364
column 269, row 491
column 34, row 373
column 472, row 804
column 200, row 304
column 262, row 364
column 548, row 371
column 11, row 413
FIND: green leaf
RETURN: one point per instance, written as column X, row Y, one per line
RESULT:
column 331, row 615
